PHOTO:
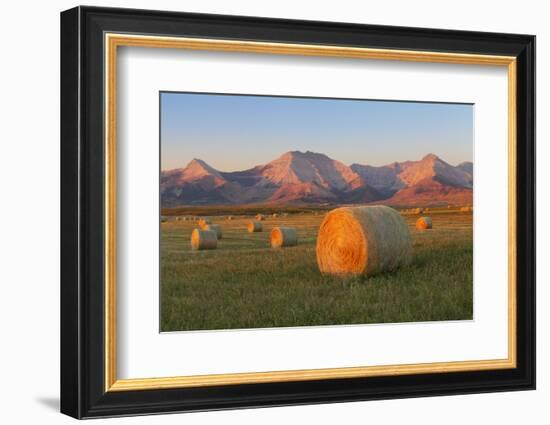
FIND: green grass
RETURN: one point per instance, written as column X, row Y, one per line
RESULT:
column 246, row 284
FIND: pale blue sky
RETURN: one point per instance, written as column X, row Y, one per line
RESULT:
column 233, row 132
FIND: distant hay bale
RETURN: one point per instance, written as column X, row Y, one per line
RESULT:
column 426, row 209
column 466, row 209
column 283, row 236
column 254, row 226
column 275, row 215
column 204, row 221
column 259, row 217
column 363, row 241
column 229, row 217
column 418, row 210
column 203, row 239
column 423, row 223
column 214, row 227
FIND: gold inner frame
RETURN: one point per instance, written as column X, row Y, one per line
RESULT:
column 113, row 41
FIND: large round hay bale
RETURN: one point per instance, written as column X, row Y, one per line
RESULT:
column 216, row 228
column 203, row 239
column 203, row 222
column 423, row 223
column 363, row 241
column 466, row 209
column 283, row 236
column 254, row 226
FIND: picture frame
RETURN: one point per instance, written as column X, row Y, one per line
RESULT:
column 90, row 39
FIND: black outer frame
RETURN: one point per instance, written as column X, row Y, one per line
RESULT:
column 82, row 219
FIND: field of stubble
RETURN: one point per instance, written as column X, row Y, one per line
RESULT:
column 245, row 283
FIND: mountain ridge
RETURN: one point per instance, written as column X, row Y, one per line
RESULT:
column 308, row 177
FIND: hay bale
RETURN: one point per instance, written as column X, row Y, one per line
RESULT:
column 254, row 226
column 418, row 210
column 203, row 222
column 275, row 215
column 229, row 217
column 259, row 217
column 203, row 239
column 363, row 241
column 466, row 209
column 216, row 228
column 283, row 236
column 423, row 223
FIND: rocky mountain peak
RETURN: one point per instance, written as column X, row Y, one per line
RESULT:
column 430, row 158
column 312, row 177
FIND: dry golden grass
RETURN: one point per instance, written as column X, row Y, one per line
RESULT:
column 244, row 283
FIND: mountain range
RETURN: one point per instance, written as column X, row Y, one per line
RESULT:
column 314, row 178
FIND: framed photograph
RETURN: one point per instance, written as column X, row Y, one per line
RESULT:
column 261, row 212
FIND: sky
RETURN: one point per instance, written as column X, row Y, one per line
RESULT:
column 236, row 132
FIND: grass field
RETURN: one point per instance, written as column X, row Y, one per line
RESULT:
column 246, row 284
